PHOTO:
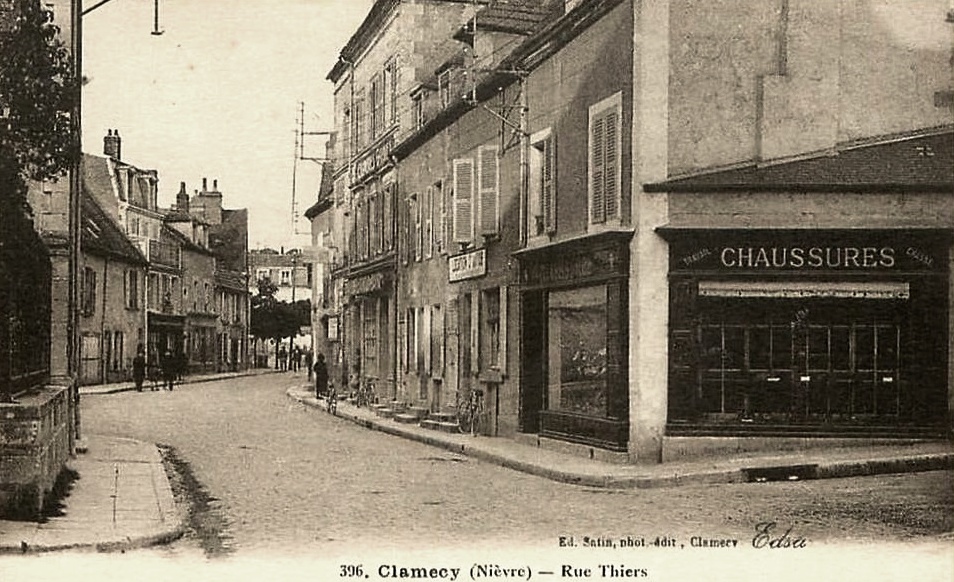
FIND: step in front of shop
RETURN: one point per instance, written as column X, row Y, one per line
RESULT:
column 807, row 431
column 443, row 426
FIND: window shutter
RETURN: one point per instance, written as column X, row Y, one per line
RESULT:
column 502, row 330
column 428, row 211
column 488, row 185
column 418, row 228
column 426, row 338
column 475, row 333
column 547, row 190
column 438, row 218
column 448, row 216
column 463, row 200
column 598, row 193
column 611, row 166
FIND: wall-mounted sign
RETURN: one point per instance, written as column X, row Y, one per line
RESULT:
column 365, row 284
column 467, row 265
column 805, row 251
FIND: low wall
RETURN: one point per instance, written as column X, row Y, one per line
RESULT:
column 34, row 447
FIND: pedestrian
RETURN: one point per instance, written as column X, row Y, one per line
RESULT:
column 169, row 370
column 321, row 375
column 298, row 355
column 309, row 362
column 153, row 369
column 282, row 359
column 139, row 367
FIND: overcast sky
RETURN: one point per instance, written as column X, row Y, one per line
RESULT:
column 217, row 96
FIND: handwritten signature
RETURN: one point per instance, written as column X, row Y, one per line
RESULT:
column 766, row 537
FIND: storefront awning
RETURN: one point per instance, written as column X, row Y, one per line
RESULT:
column 806, row 289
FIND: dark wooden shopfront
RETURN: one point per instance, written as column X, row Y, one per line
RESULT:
column 574, row 386
column 797, row 332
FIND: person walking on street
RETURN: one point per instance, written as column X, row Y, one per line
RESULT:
column 298, row 355
column 321, row 375
column 282, row 359
column 309, row 362
column 139, row 367
column 168, row 370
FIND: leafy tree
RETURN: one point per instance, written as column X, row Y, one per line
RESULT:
column 271, row 318
column 37, row 95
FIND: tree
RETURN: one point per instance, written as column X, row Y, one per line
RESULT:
column 271, row 318
column 37, row 96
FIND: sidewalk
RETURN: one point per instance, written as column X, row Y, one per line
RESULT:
column 122, row 500
column 191, row 379
column 808, row 464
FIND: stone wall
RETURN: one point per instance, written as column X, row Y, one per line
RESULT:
column 34, row 447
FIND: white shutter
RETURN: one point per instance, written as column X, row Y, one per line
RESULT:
column 463, row 200
column 488, row 180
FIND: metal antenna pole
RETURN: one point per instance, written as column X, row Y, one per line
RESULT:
column 155, row 26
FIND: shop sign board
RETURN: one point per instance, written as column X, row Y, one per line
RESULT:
column 365, row 284
column 467, row 265
column 812, row 251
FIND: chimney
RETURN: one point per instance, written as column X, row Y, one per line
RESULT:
column 112, row 144
column 182, row 199
column 205, row 183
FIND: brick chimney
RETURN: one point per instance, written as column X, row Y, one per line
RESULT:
column 182, row 199
column 113, row 144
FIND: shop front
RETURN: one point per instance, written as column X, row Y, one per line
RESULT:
column 368, row 332
column 574, row 341
column 808, row 332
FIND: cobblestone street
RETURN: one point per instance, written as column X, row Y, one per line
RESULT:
column 292, row 479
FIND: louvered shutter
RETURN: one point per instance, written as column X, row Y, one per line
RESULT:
column 597, row 170
column 611, row 165
column 428, row 210
column 547, row 187
column 463, row 200
column 489, row 190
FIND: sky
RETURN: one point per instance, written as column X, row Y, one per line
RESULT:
column 218, row 96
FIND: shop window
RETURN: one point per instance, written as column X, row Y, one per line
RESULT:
column 369, row 351
column 577, row 351
column 118, row 351
column 437, row 342
column 818, row 348
column 605, row 160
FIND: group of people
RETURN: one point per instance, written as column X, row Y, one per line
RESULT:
column 292, row 360
column 163, row 371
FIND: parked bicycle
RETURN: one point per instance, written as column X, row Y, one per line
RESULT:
column 332, row 399
column 365, row 395
column 470, row 414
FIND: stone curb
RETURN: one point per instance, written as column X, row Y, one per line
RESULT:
column 129, row 387
column 830, row 470
column 123, row 544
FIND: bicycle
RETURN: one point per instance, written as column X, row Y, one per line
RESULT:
column 332, row 399
column 470, row 414
column 365, row 395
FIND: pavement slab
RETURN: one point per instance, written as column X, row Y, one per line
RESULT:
column 122, row 500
